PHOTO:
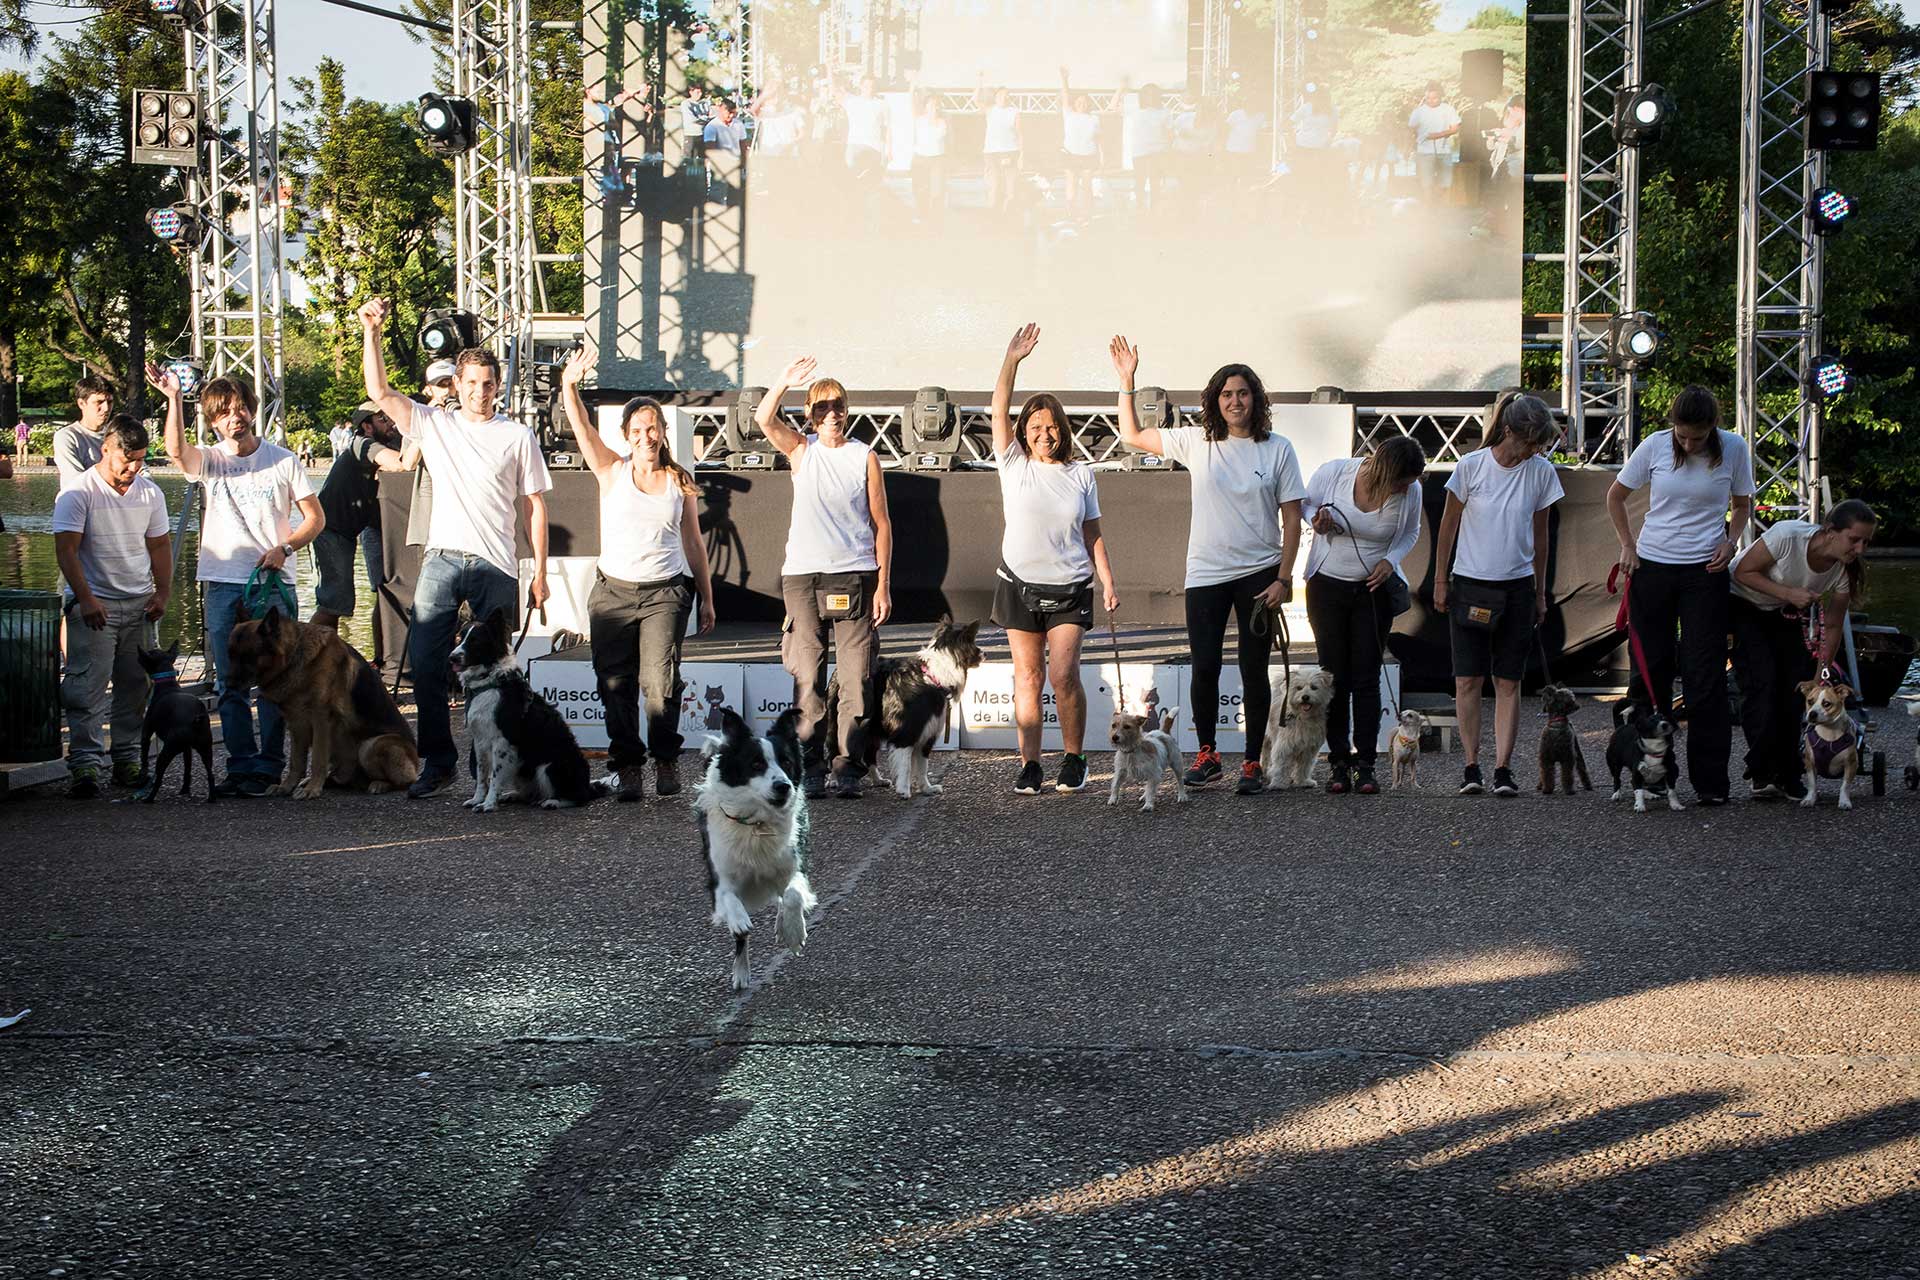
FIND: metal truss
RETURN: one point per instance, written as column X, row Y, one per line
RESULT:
column 1601, row 225
column 1289, row 68
column 1215, row 45
column 1778, row 323
column 494, row 270
column 238, row 272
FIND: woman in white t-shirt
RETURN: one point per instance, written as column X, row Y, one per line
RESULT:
column 1242, row 540
column 1149, row 136
column 1778, row 584
column 1049, row 555
column 1000, row 149
column 1366, row 517
column 838, row 566
column 651, row 575
column 868, row 131
column 1496, row 517
column 930, row 130
column 1079, row 147
column 1677, row 580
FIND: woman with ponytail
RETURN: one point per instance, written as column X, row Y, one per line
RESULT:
column 652, row 571
column 1365, row 517
column 1799, row 567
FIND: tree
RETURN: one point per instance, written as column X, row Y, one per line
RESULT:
column 1495, row 16
column 35, row 168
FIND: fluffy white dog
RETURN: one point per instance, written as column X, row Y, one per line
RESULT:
column 1296, row 728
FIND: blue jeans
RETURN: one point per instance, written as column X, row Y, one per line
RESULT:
column 448, row 578
column 269, row 756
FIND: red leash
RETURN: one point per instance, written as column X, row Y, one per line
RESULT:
column 1623, row 621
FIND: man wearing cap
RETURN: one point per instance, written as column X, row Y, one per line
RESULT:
column 350, row 497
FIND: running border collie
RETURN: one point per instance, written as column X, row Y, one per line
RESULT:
column 523, row 749
column 912, row 697
column 754, row 831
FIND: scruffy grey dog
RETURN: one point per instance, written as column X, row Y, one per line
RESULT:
column 1559, row 744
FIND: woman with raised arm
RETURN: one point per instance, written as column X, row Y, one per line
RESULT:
column 1049, row 555
column 1242, row 540
column 838, row 567
column 651, row 576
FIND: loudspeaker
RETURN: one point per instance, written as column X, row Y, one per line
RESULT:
column 1482, row 74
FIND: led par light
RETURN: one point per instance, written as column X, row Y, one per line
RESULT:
column 1829, row 377
column 191, row 374
column 446, row 123
column 177, row 226
column 445, row 333
column 1830, row 210
column 1634, row 342
column 1640, row 115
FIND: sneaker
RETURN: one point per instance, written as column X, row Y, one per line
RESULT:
column 1338, row 780
column 846, row 785
column 83, row 785
column 253, row 785
column 1767, row 791
column 1503, row 783
column 813, row 784
column 128, row 773
column 1470, row 784
column 1253, row 779
column 633, row 784
column 1206, row 768
column 1710, row 802
column 1364, row 782
column 666, row 777
column 1073, row 774
column 1030, row 780
column 431, row 782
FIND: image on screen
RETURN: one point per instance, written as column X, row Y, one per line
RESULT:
column 1326, row 193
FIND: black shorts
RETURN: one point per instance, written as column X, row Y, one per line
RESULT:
column 1010, row 605
column 1499, row 651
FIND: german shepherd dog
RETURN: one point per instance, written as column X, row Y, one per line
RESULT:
column 907, row 704
column 343, row 720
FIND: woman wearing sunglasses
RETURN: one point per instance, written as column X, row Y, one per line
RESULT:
column 839, row 559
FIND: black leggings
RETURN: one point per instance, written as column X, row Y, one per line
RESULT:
column 1207, row 610
column 1770, row 658
column 1679, row 616
column 1350, row 635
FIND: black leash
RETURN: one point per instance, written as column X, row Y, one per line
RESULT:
column 527, row 625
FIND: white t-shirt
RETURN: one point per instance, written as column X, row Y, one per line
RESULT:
column 1425, row 121
column 1003, row 130
column 1312, row 129
column 1787, row 543
column 1686, row 506
column 1243, row 130
column 1496, row 529
column 780, row 133
column 640, row 531
column 1238, row 485
column 719, row 135
column 75, row 450
column 1079, row 133
column 113, row 528
column 1365, row 538
column 930, row 136
column 832, row 528
column 249, row 508
column 480, row 472
column 866, row 123
column 1045, row 506
column 1151, row 131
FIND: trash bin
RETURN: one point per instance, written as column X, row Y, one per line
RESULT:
column 29, row 676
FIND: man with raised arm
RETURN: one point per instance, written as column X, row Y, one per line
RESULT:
column 251, row 488
column 485, row 468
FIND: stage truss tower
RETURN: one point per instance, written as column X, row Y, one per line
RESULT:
column 1780, row 290
column 238, row 273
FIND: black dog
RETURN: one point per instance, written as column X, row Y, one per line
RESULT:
column 523, row 747
column 1642, row 746
column 178, row 719
column 1559, row 744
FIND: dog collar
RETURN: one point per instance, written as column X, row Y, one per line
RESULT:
column 1553, row 720
column 164, row 677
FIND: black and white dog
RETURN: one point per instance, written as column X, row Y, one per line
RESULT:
column 1642, row 748
column 907, row 704
column 754, row 832
column 523, row 749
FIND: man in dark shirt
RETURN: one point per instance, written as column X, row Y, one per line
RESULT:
column 350, row 497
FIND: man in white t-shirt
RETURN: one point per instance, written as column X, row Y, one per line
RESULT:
column 1435, row 123
column 251, row 488
column 77, row 446
column 486, row 468
column 694, row 113
column 869, row 129
column 110, row 535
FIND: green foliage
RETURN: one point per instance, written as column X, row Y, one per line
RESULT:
column 1495, row 16
column 1402, row 17
column 40, row 438
column 311, row 439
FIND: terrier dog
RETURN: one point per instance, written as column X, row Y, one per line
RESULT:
column 523, row 749
column 1403, row 751
column 178, row 719
column 1642, row 748
column 1141, row 755
column 907, row 702
column 1831, row 747
column 1296, row 728
column 754, row 832
column 1559, row 744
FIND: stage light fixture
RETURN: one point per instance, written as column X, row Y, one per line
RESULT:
column 445, row 333
column 166, row 128
column 1830, row 377
column 1830, row 210
column 178, row 10
column 1634, row 342
column 177, row 226
column 1641, row 114
column 932, row 430
column 1843, row 110
column 446, row 123
column 1154, row 408
column 192, row 376
column 748, row 448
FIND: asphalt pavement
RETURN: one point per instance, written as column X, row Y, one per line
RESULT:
column 1287, row 1035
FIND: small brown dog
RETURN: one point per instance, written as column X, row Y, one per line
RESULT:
column 1403, row 750
column 1141, row 755
column 1831, row 747
column 339, row 714
column 1559, row 744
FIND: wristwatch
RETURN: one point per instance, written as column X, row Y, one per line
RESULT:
column 286, row 550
